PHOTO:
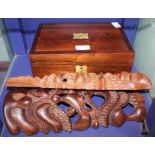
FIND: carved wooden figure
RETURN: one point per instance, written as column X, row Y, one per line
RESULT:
column 33, row 110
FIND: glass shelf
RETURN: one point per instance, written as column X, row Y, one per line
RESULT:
column 5, row 52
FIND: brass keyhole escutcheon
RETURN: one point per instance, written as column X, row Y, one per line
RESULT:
column 81, row 69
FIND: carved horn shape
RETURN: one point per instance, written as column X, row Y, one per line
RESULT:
column 111, row 99
column 138, row 103
column 84, row 118
column 42, row 112
column 10, row 103
column 18, row 116
column 12, row 126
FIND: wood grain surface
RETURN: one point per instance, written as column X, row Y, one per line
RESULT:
column 54, row 49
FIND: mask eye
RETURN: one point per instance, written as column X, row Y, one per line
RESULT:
column 87, row 107
column 26, row 101
column 18, row 96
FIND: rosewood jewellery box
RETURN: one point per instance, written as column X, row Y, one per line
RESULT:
column 71, row 63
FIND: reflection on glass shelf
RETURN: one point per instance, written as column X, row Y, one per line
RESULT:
column 5, row 52
column 3, row 69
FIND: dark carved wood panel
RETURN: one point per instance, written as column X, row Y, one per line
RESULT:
column 34, row 110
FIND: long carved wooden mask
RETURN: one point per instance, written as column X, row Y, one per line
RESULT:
column 33, row 110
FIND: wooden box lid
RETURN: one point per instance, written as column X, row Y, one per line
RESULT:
column 79, row 38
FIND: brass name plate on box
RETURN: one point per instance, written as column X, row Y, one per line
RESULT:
column 80, row 36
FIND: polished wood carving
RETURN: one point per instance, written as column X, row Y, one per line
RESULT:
column 34, row 110
column 86, row 81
